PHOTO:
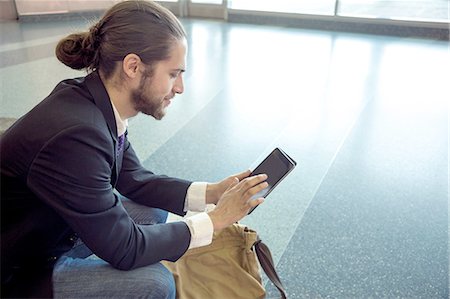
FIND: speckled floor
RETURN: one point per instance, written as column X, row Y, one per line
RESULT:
column 365, row 213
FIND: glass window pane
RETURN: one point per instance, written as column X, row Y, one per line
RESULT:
column 207, row 1
column 427, row 10
column 322, row 7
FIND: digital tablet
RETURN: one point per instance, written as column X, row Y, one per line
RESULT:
column 277, row 166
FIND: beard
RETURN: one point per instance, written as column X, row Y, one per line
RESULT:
column 144, row 102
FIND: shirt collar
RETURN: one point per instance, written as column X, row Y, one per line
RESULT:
column 120, row 123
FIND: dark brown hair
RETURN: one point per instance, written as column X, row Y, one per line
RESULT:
column 144, row 28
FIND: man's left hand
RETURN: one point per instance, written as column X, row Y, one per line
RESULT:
column 214, row 191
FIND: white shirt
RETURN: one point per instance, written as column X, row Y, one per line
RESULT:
column 200, row 224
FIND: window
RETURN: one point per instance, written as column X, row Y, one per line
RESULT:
column 420, row 10
column 325, row 7
column 411, row 10
column 207, row 1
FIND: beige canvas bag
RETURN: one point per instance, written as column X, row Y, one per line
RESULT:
column 228, row 268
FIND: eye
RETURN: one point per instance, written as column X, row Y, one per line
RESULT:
column 174, row 75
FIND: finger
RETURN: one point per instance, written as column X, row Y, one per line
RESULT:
column 255, row 190
column 242, row 175
column 255, row 202
column 252, row 181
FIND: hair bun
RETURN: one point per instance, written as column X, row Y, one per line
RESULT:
column 79, row 50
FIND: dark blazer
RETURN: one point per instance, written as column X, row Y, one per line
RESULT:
column 59, row 166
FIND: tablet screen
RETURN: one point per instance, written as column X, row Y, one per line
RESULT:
column 276, row 165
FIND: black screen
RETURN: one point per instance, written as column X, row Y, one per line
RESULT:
column 276, row 166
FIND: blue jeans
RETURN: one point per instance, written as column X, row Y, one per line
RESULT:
column 80, row 274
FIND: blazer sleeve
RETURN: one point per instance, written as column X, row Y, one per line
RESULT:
column 72, row 173
column 143, row 186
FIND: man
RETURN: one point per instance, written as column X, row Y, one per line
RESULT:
column 66, row 167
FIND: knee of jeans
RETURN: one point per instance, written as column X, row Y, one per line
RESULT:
column 163, row 286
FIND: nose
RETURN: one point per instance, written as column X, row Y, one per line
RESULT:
column 178, row 87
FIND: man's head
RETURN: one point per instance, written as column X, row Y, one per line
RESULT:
column 139, row 46
column 155, row 86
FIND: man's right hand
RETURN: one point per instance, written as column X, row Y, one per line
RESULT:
column 235, row 203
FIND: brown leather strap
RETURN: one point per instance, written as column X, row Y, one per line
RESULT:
column 266, row 261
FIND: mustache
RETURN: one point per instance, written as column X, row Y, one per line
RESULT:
column 170, row 97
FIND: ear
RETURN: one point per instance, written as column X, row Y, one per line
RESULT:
column 131, row 64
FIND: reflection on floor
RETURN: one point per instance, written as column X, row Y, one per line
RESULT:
column 365, row 213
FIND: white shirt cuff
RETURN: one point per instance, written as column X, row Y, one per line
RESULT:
column 201, row 228
column 196, row 197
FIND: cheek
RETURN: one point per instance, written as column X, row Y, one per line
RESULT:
column 170, row 84
column 169, row 90
column 163, row 87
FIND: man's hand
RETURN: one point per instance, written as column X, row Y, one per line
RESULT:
column 235, row 201
column 214, row 191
